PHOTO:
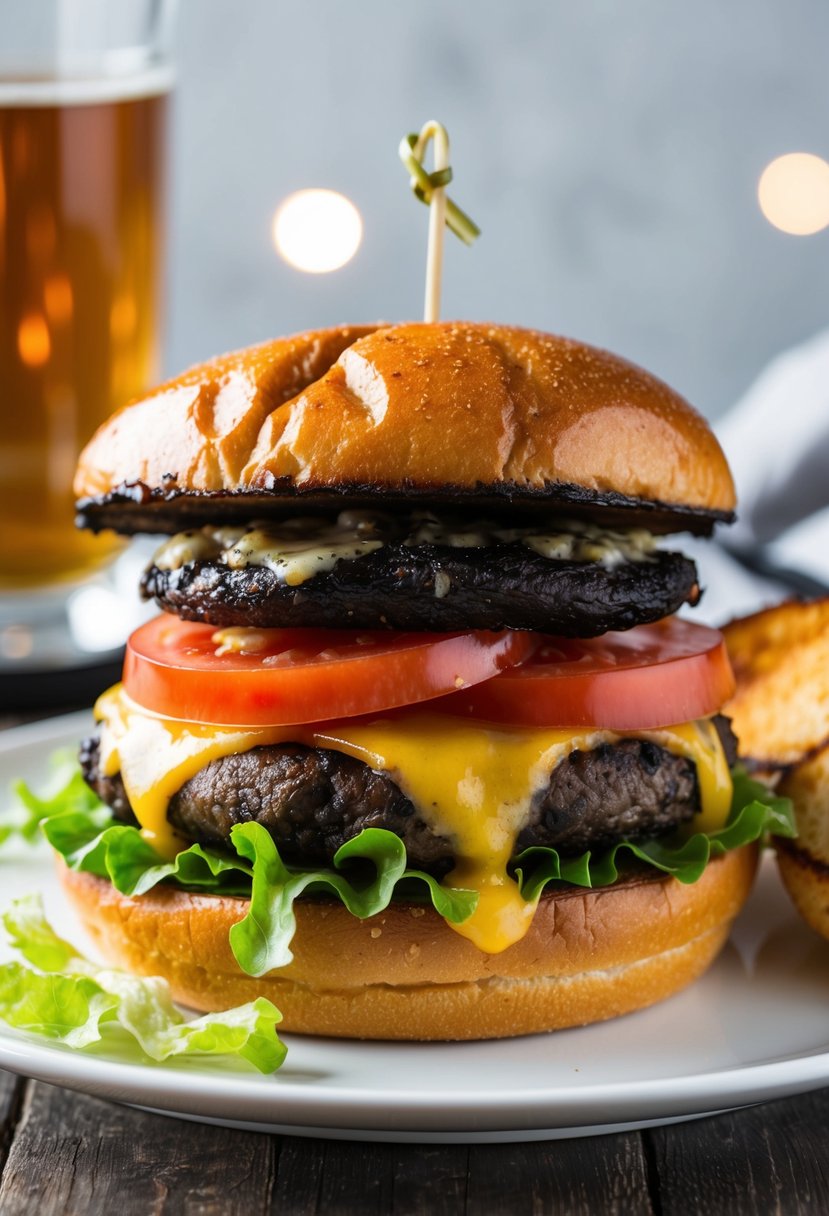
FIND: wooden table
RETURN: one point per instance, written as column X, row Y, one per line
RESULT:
column 64, row 1153
column 61, row 1152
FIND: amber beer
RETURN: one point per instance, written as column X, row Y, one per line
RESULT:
column 81, row 184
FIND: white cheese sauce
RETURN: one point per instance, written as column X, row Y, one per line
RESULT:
column 297, row 549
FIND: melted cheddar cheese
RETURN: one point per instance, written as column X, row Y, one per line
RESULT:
column 472, row 782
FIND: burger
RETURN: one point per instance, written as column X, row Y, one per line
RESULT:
column 417, row 747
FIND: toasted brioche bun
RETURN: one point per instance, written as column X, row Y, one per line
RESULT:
column 804, row 863
column 447, row 409
column 780, row 713
column 404, row 974
column 780, row 656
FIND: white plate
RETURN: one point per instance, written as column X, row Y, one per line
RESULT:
column 755, row 1027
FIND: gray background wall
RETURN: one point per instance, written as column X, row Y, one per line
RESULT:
column 609, row 149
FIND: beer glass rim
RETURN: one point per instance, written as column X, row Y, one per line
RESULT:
column 64, row 51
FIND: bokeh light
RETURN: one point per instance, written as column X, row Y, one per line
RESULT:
column 317, row 230
column 33, row 342
column 793, row 192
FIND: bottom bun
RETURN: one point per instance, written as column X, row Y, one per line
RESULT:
column 404, row 974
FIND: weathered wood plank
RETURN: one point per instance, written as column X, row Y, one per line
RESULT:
column 430, row 1178
column 299, row 1169
column 316, row 1177
column 772, row 1158
column 77, row 1156
column 606, row 1176
column 11, row 1095
column 600, row 1176
column 332, row 1177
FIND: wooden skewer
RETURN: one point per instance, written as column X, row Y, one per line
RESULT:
column 430, row 188
column 437, row 217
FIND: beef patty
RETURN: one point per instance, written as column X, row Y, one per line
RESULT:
column 435, row 587
column 313, row 800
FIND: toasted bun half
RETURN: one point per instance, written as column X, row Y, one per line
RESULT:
column 404, row 974
column 780, row 711
column 447, row 409
column 806, row 878
column 804, row 862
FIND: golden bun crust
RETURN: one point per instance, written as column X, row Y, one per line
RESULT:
column 202, row 426
column 780, row 656
column 451, row 406
column 804, row 862
column 404, row 974
column 807, row 882
column 780, row 713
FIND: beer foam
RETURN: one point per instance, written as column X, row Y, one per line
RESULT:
column 79, row 91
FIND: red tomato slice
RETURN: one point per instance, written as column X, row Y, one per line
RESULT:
column 642, row 679
column 305, row 675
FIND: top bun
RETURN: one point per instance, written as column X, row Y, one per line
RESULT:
column 443, row 411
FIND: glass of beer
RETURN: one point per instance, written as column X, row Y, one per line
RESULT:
column 84, row 90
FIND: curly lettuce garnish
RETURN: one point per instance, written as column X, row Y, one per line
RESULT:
column 370, row 870
column 57, row 994
column 21, row 820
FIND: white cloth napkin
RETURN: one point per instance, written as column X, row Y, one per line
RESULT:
column 776, row 439
column 728, row 589
column 777, row 442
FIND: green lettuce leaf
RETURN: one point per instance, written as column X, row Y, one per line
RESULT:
column 261, row 940
column 755, row 813
column 374, row 861
column 95, row 844
column 67, row 791
column 67, row 998
column 66, row 1008
column 368, row 870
